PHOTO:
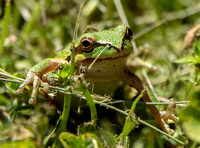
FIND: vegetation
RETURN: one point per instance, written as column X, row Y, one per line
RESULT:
column 71, row 116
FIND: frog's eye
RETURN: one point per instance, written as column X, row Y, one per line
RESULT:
column 128, row 33
column 87, row 44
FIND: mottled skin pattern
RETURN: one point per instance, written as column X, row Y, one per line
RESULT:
column 110, row 66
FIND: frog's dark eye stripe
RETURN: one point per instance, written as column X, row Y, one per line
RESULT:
column 87, row 44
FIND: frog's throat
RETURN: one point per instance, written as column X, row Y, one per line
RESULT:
column 90, row 60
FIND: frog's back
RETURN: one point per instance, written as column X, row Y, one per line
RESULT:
column 64, row 53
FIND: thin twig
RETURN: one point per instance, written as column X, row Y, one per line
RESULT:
column 95, row 96
column 149, row 125
column 97, row 57
column 8, row 80
column 121, row 12
column 10, row 76
column 149, row 103
column 43, row 12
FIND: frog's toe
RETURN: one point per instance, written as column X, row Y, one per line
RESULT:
column 32, row 101
column 23, row 85
column 36, row 83
column 169, row 115
column 32, row 77
column 19, row 91
column 45, row 87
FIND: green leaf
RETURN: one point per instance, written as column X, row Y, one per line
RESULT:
column 188, row 59
column 5, row 26
column 3, row 100
column 64, row 72
column 86, row 140
column 69, row 140
column 19, row 144
column 108, row 138
column 196, row 48
column 196, row 51
column 194, row 59
column 194, row 101
column 189, row 117
column 128, row 127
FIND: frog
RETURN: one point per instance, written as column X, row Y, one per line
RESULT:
column 101, row 58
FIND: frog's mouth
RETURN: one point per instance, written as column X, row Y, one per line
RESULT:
column 90, row 60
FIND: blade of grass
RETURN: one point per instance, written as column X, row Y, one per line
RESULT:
column 91, row 104
column 65, row 113
column 5, row 25
column 64, row 118
column 28, row 27
column 46, row 139
column 130, row 123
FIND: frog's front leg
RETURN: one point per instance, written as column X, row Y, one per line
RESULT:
column 134, row 81
column 136, row 63
column 34, row 76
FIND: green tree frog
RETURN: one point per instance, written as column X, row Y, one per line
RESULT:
column 109, row 49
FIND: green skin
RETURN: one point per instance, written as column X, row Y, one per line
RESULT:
column 109, row 66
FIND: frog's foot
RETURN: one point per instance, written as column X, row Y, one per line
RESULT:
column 32, row 77
column 134, row 81
column 167, row 127
column 168, row 115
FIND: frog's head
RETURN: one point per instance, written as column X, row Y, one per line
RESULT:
column 105, row 44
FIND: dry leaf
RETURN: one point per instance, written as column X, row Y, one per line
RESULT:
column 189, row 37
